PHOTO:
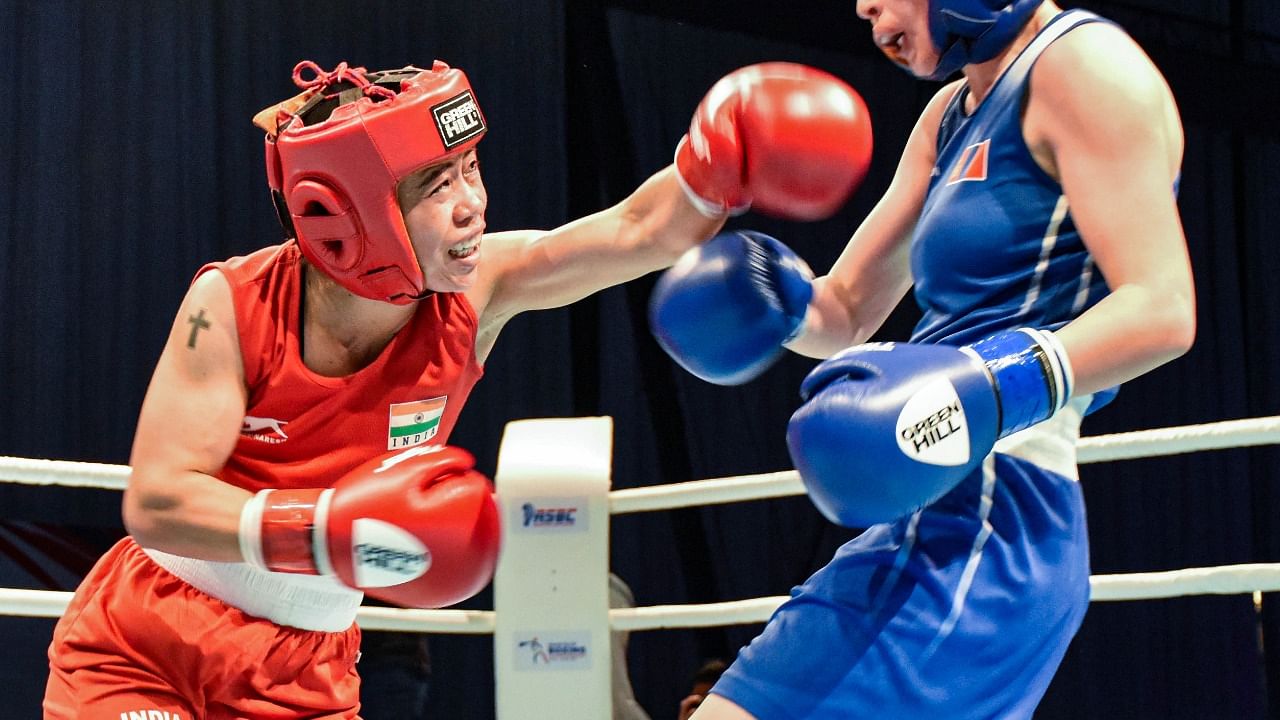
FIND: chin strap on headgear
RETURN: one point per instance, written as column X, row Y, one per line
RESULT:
column 336, row 152
column 974, row 31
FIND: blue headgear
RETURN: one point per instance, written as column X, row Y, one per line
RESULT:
column 974, row 31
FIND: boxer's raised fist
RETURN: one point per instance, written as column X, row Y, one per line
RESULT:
column 787, row 139
column 417, row 528
column 887, row 428
column 726, row 307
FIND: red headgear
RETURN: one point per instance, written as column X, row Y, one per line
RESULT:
column 336, row 152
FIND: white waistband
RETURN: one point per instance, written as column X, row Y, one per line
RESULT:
column 1052, row 443
column 307, row 602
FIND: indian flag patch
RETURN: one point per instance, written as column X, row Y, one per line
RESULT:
column 414, row 423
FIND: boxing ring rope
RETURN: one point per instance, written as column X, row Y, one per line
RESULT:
column 1099, row 448
column 551, row 585
column 1230, row 579
column 42, row 603
column 1224, row 580
column 1182, row 439
column 63, row 473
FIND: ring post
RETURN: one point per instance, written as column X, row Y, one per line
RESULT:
column 551, row 638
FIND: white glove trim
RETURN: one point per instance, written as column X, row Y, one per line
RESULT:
column 250, row 530
column 1059, row 364
column 705, row 207
column 320, row 535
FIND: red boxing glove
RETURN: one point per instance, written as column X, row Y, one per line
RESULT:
column 788, row 139
column 417, row 529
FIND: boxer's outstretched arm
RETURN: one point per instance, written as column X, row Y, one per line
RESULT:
column 533, row 270
column 786, row 139
column 188, row 426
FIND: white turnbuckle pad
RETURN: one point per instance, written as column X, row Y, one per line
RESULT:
column 551, row 587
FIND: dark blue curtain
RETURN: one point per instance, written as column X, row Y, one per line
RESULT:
column 128, row 160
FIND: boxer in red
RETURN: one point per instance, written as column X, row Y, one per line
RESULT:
column 290, row 455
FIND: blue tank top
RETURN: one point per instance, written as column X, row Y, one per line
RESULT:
column 995, row 247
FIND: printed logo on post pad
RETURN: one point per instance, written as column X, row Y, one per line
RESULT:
column 931, row 427
column 543, row 515
column 553, row 651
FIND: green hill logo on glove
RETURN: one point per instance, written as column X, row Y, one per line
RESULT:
column 931, row 427
column 383, row 555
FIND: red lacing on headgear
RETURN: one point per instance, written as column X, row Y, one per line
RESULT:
column 357, row 76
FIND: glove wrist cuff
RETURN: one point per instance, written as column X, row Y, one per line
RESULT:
column 782, row 277
column 278, row 530
column 798, row 329
column 1031, row 375
column 251, row 530
column 707, row 207
column 1060, row 363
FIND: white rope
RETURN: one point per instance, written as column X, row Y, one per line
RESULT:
column 1102, row 448
column 28, row 471
column 466, row 622
column 706, row 492
column 44, row 603
column 1139, row 586
column 1224, row 580
column 33, row 603
column 663, row 617
column 1177, row 440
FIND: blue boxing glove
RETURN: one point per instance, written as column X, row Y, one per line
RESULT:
column 887, row 428
column 726, row 307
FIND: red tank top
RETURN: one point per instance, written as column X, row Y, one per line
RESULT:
column 302, row 429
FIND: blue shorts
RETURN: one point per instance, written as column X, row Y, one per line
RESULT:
column 962, row 610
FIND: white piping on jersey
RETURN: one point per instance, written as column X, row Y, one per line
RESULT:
column 900, row 561
column 1086, row 279
column 1046, row 249
column 975, row 555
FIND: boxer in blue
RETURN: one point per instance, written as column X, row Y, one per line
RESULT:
column 1034, row 212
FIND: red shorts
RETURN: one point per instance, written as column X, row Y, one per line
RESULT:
column 137, row 641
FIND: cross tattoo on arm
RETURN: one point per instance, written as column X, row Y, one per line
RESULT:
column 198, row 323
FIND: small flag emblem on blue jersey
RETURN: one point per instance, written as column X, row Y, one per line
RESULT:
column 972, row 164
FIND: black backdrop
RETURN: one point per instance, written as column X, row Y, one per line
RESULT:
column 127, row 160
